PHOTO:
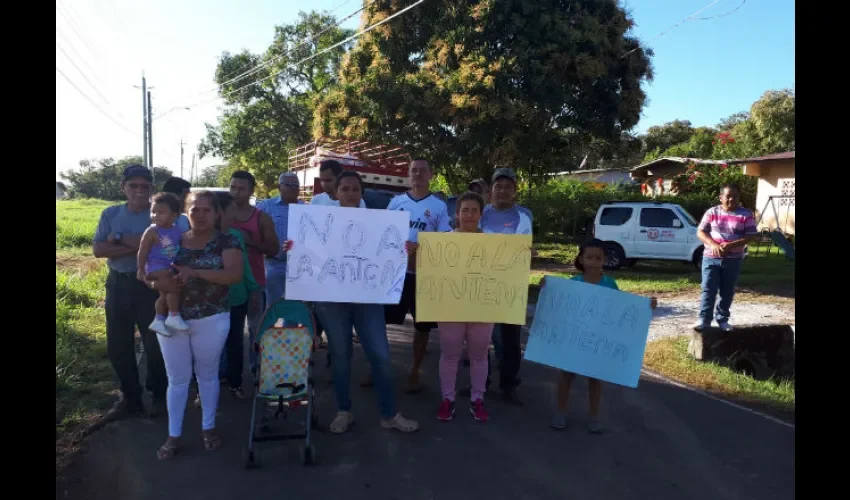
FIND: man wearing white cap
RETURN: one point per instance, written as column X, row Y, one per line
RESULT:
column 278, row 210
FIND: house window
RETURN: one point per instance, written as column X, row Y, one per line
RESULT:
column 787, row 188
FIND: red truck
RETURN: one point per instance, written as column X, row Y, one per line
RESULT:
column 383, row 168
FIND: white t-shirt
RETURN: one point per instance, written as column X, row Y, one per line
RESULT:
column 429, row 214
column 325, row 199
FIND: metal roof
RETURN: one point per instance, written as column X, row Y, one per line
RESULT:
column 787, row 155
column 678, row 159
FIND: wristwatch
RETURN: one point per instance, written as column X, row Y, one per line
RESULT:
column 117, row 236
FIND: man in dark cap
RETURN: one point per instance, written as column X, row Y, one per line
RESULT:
column 129, row 302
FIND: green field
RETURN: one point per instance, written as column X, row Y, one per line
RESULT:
column 83, row 375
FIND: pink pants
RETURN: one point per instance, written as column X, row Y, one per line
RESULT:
column 477, row 336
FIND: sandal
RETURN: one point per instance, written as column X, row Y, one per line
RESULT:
column 399, row 423
column 212, row 441
column 167, row 451
column 343, row 421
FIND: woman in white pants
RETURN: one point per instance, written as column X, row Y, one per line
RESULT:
column 207, row 263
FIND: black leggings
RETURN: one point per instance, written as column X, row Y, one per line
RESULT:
column 235, row 345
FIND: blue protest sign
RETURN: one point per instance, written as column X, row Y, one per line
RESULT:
column 590, row 330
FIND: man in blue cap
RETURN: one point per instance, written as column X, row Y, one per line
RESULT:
column 129, row 302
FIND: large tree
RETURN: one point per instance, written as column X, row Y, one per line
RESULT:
column 476, row 83
column 771, row 127
column 263, row 122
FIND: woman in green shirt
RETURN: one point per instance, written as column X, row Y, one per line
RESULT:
column 239, row 302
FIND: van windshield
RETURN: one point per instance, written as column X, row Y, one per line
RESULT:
column 685, row 215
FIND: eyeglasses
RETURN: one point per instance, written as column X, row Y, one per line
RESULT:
column 291, row 185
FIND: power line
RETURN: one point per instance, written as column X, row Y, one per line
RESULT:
column 692, row 17
column 72, row 24
column 317, row 54
column 92, row 85
column 272, row 60
column 96, row 105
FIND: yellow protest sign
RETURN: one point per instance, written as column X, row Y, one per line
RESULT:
column 467, row 277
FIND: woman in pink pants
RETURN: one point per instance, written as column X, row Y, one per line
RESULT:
column 477, row 335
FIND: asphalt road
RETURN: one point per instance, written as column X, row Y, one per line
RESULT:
column 662, row 442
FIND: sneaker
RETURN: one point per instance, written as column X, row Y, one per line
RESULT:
column 478, row 411
column 159, row 327
column 724, row 326
column 594, row 426
column 446, row 411
column 701, row 325
column 559, row 422
column 123, row 408
column 175, row 322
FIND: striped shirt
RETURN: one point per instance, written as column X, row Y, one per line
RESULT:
column 723, row 227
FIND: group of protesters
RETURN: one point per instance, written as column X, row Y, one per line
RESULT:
column 190, row 269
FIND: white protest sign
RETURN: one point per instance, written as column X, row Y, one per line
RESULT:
column 346, row 254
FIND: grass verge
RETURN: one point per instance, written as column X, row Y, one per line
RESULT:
column 84, row 380
column 670, row 358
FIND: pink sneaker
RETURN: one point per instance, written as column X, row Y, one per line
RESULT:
column 478, row 411
column 446, row 411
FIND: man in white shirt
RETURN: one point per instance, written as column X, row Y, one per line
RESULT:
column 329, row 170
column 427, row 213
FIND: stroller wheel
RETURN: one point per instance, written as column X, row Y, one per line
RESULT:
column 250, row 458
column 308, row 455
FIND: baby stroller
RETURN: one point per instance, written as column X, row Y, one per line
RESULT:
column 284, row 374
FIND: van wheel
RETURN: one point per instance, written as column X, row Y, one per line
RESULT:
column 615, row 257
column 697, row 260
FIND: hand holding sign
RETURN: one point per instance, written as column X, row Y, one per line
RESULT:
column 472, row 277
column 340, row 254
column 590, row 330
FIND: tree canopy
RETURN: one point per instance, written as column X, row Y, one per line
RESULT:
column 476, row 83
column 263, row 122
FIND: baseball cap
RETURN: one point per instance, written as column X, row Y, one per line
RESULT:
column 287, row 177
column 480, row 182
column 504, row 172
column 136, row 170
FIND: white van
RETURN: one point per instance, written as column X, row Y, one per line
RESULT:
column 634, row 230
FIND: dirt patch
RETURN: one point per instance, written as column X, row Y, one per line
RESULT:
column 79, row 263
column 676, row 316
column 71, row 441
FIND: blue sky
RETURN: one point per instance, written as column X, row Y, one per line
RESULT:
column 704, row 70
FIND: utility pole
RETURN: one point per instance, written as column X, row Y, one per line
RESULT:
column 192, row 171
column 181, row 156
column 145, row 119
column 150, row 131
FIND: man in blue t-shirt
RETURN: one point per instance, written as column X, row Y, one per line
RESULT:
column 129, row 302
column 504, row 216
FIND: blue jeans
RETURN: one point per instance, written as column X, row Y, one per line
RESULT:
column 719, row 276
column 368, row 320
column 275, row 281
